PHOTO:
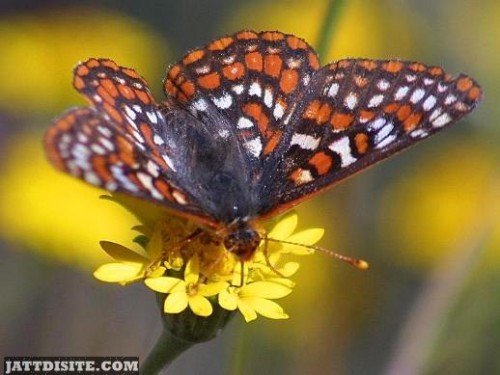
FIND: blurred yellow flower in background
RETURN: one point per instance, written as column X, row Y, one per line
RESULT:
column 441, row 202
column 56, row 41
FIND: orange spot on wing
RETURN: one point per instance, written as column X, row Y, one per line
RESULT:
column 188, row 88
column 164, row 189
column 474, row 93
column 143, row 96
column 288, row 81
column 391, row 108
column 209, row 81
column 341, row 121
column 125, row 151
column 104, row 94
column 272, row 65
column 126, row 92
column 170, row 87
column 92, row 63
column 344, row 63
column 131, row 73
column 435, row 71
column 295, row 43
column 220, row 44
column 393, row 66
column 313, row 60
column 254, row 110
column 174, row 71
column 100, row 166
column 193, row 57
column 403, row 112
column 253, row 61
column 322, row 162
column 273, row 142
column 368, row 64
column 272, row 36
column 465, row 83
column 361, row 142
column 234, row 71
column 110, row 87
column 417, row 67
column 366, row 115
column 312, row 110
column 82, row 70
column 360, row 81
column 110, row 64
column 323, row 114
column 112, row 112
column 78, row 83
column 412, row 122
column 246, row 35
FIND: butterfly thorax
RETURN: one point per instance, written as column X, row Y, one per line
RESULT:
column 242, row 240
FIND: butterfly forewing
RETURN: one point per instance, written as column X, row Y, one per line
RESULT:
column 119, row 143
column 358, row 112
column 251, row 79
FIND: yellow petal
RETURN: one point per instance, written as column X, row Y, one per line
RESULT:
column 118, row 272
column 200, row 305
column 120, row 252
column 266, row 308
column 157, row 272
column 248, row 313
column 211, row 289
column 264, row 289
column 289, row 268
column 192, row 271
column 284, row 227
column 166, row 284
column 175, row 303
column 282, row 281
column 228, row 301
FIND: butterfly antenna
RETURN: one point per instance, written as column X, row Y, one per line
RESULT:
column 357, row 263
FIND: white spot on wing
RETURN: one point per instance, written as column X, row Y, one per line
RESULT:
column 386, row 141
column 351, row 100
column 401, row 93
column 429, row 103
column 417, row 95
column 200, row 105
column 254, row 146
column 279, row 111
column 450, row 99
column 268, row 97
column 152, row 117
column 375, row 100
column 92, row 178
column 255, row 90
column 244, row 123
column 384, row 132
column 129, row 112
column 238, row 89
column 342, row 148
column 305, row 141
column 441, row 120
column 333, row 90
column 224, row 102
column 376, row 124
column 153, row 168
column 383, row 85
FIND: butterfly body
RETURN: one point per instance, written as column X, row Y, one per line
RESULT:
column 252, row 126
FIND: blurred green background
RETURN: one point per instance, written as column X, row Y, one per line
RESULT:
column 426, row 220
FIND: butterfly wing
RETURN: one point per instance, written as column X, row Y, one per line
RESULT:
column 242, row 85
column 356, row 113
column 119, row 143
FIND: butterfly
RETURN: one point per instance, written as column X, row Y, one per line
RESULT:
column 251, row 126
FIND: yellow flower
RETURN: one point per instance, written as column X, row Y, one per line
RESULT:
column 254, row 298
column 189, row 291
column 191, row 268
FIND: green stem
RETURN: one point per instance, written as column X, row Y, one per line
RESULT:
column 166, row 350
column 328, row 27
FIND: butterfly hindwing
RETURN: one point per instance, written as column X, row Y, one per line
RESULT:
column 358, row 112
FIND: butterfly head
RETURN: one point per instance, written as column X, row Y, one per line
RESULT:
column 242, row 241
